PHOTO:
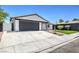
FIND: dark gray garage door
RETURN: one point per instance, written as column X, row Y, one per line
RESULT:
column 25, row 25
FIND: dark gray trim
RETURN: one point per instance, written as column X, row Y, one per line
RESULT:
column 31, row 20
column 28, row 15
column 1, row 27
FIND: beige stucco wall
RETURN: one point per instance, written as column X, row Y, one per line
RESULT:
column 44, row 26
column 7, row 26
column 16, row 25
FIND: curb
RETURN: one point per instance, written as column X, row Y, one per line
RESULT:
column 57, row 46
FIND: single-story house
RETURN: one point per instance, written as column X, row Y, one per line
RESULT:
column 32, row 22
column 73, row 25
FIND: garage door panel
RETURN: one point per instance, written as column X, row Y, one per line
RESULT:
column 28, row 25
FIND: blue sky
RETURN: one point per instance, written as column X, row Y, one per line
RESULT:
column 50, row 12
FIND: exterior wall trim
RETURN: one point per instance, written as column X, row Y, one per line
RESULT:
column 16, row 25
column 40, row 26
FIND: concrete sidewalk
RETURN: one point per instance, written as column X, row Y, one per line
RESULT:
column 31, row 41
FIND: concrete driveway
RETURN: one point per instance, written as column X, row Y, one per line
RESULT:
column 30, row 41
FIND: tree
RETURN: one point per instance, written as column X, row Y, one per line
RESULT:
column 3, row 15
column 75, row 19
column 61, row 20
column 66, row 21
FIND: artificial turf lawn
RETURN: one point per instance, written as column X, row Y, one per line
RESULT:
column 66, row 31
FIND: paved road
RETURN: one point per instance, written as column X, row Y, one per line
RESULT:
column 31, row 41
column 72, row 47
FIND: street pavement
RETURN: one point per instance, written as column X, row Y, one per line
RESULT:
column 72, row 47
column 31, row 41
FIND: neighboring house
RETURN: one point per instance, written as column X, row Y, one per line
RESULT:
column 50, row 26
column 32, row 22
column 73, row 25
